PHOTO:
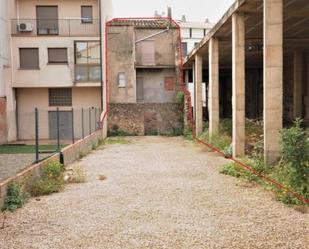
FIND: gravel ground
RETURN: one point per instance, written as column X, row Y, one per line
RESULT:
column 159, row 193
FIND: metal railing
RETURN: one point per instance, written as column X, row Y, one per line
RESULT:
column 56, row 27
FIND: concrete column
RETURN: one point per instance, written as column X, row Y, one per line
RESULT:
column 213, row 94
column 273, row 78
column 186, row 72
column 298, row 85
column 198, row 108
column 238, row 84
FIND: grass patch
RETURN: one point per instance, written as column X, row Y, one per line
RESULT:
column 50, row 181
column 116, row 140
column 26, row 149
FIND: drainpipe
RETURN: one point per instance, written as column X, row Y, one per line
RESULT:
column 101, row 53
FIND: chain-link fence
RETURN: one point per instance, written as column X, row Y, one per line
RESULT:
column 47, row 131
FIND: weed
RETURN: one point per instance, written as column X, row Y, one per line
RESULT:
column 15, row 198
column 76, row 174
column 82, row 154
column 50, row 181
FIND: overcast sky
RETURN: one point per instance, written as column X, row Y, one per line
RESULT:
column 194, row 10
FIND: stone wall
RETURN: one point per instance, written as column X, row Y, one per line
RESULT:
column 145, row 118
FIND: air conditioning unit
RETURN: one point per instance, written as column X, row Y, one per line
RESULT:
column 24, row 27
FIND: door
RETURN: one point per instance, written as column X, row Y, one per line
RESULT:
column 47, row 20
column 139, row 89
column 65, row 124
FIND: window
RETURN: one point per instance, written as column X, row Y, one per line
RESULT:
column 184, row 47
column 29, row 58
column 87, row 14
column 87, row 61
column 169, row 84
column 122, row 81
column 148, row 52
column 60, row 96
column 47, row 20
column 190, row 33
column 57, row 55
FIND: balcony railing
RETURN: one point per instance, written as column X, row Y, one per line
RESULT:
column 54, row 27
column 87, row 73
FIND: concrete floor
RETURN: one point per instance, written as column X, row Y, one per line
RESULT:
column 159, row 193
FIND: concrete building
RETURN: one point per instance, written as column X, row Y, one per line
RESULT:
column 54, row 60
column 191, row 34
column 4, row 64
column 256, row 62
column 143, row 75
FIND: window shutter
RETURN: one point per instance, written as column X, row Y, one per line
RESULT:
column 57, row 55
column 148, row 53
column 87, row 14
column 29, row 58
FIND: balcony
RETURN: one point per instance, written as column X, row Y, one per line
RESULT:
column 56, row 27
column 87, row 73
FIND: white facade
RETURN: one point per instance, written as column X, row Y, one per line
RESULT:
column 4, row 51
column 191, row 34
column 25, row 83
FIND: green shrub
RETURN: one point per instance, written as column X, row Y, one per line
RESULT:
column 226, row 127
column 15, row 198
column 180, row 98
column 295, row 157
column 187, row 134
column 50, row 181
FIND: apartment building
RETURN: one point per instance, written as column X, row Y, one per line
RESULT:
column 143, row 76
column 191, row 34
column 4, row 63
column 56, row 61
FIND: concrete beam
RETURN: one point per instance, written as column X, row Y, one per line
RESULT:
column 198, row 107
column 213, row 98
column 238, row 83
column 273, row 78
column 297, row 85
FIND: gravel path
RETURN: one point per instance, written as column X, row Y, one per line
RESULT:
column 159, row 193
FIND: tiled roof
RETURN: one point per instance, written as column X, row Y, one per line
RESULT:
column 143, row 23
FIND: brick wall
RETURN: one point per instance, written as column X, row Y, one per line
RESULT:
column 145, row 118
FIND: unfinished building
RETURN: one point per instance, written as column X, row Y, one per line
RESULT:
column 255, row 62
column 143, row 76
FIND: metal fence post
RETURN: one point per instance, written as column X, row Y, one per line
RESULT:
column 73, row 139
column 95, row 119
column 37, row 158
column 89, row 120
column 83, row 134
column 58, row 130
